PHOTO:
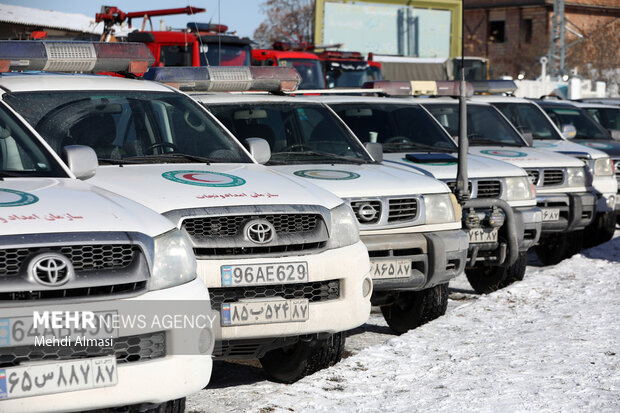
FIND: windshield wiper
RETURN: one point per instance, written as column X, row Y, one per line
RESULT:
column 6, row 174
column 415, row 145
column 486, row 141
column 168, row 157
column 330, row 157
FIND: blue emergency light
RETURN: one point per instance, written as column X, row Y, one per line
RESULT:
column 72, row 56
column 227, row 78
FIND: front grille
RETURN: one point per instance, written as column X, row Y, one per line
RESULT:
column 489, row 189
column 365, row 218
column 553, row 177
column 275, row 249
column 452, row 186
column 617, row 167
column 83, row 257
column 314, row 291
column 405, row 209
column 128, row 349
column 229, row 226
column 534, row 175
column 104, row 290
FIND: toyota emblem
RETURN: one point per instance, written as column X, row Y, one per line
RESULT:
column 51, row 269
column 367, row 212
column 260, row 231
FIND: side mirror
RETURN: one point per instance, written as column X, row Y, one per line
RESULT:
column 569, row 131
column 615, row 134
column 259, row 149
column 375, row 150
column 81, row 160
column 528, row 137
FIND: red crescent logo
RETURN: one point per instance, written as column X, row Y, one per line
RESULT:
column 191, row 177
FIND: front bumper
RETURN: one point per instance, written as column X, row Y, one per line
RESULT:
column 348, row 265
column 436, row 257
column 530, row 220
column 606, row 188
column 576, row 210
column 153, row 381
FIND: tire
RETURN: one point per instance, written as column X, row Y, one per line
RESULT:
column 516, row 271
column 600, row 230
column 291, row 363
column 486, row 279
column 414, row 308
column 172, row 406
column 553, row 248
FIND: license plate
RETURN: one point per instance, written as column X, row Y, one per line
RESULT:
column 20, row 331
column 477, row 235
column 550, row 214
column 390, row 269
column 265, row 312
column 264, row 274
column 57, row 377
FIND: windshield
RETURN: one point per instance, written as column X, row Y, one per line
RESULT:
column 608, row 117
column 485, row 125
column 350, row 74
column 296, row 133
column 587, row 128
column 399, row 127
column 310, row 71
column 231, row 54
column 21, row 154
column 527, row 118
column 135, row 127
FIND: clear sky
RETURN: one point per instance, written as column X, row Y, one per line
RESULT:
column 244, row 16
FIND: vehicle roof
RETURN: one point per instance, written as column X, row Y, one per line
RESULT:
column 359, row 99
column 553, row 102
column 40, row 81
column 594, row 105
column 500, row 98
column 447, row 99
column 247, row 98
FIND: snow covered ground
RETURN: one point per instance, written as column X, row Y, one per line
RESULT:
column 548, row 343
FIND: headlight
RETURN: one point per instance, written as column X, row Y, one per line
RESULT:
column 344, row 228
column 174, row 262
column 575, row 177
column 603, row 167
column 519, row 188
column 439, row 209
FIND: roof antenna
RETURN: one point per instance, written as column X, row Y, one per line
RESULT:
column 462, row 181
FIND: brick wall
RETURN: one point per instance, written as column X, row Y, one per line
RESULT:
column 526, row 31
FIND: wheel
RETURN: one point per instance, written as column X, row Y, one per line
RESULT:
column 291, row 363
column 162, row 145
column 553, row 248
column 172, row 406
column 600, row 230
column 414, row 308
column 516, row 271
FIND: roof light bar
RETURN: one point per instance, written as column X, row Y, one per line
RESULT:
column 418, row 88
column 227, row 78
column 494, row 87
column 206, row 27
column 70, row 56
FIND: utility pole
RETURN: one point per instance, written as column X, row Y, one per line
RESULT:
column 557, row 41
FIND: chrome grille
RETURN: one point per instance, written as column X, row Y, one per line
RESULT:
column 83, row 257
column 489, row 189
column 376, row 204
column 313, row 291
column 104, row 290
column 126, row 350
column 553, row 177
column 229, row 226
column 404, row 209
column 534, row 176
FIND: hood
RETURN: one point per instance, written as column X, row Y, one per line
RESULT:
column 570, row 146
column 49, row 205
column 368, row 180
column 169, row 187
column 477, row 167
column 526, row 157
column 610, row 147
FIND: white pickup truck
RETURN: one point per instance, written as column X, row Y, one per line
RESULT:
column 529, row 118
column 69, row 247
column 562, row 189
column 410, row 223
column 501, row 220
column 282, row 258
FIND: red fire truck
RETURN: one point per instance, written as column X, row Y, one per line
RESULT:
column 285, row 54
column 201, row 44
